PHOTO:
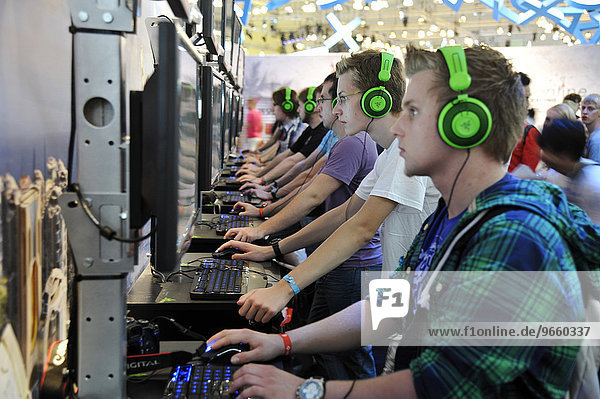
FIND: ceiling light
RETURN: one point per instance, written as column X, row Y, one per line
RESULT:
column 421, row 20
column 422, row 43
column 421, row 34
column 468, row 41
column 261, row 54
column 366, row 8
column 392, row 35
column 555, row 36
column 443, row 33
column 450, row 33
column 462, row 19
column 429, row 33
column 434, row 28
column 452, row 42
column 380, row 23
column 500, row 30
column 359, row 38
column 407, row 3
column 338, row 7
column 309, row 7
column 444, row 42
column 401, row 14
column 404, row 34
column 357, row 5
column 299, row 46
column 363, row 22
column 587, row 35
column 543, row 36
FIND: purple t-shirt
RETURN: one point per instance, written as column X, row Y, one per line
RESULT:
column 350, row 160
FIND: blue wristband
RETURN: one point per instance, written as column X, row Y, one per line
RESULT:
column 292, row 283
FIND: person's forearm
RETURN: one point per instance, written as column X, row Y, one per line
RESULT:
column 274, row 162
column 316, row 231
column 336, row 333
column 299, row 168
column 272, row 140
column 300, row 205
column 282, row 167
column 300, row 180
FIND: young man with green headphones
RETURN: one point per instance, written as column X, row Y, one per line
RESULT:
column 464, row 153
column 307, row 142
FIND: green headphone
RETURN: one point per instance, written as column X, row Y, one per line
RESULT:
column 287, row 105
column 310, row 105
column 464, row 122
column 377, row 101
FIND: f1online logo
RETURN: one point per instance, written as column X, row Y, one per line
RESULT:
column 389, row 299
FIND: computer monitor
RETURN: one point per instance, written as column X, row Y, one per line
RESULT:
column 210, row 147
column 212, row 26
column 235, row 118
column 185, row 9
column 164, row 141
column 236, row 43
column 227, row 120
column 228, row 30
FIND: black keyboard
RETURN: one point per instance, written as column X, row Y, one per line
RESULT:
column 200, row 381
column 231, row 197
column 227, row 222
column 220, row 279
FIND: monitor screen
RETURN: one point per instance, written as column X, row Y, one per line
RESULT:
column 227, row 121
column 211, row 127
column 187, row 197
column 228, row 29
column 212, row 25
column 237, row 40
column 164, row 152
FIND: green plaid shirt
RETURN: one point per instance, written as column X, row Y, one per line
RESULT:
column 550, row 235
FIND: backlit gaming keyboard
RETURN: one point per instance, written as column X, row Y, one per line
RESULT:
column 200, row 381
column 220, row 279
column 231, row 197
column 227, row 222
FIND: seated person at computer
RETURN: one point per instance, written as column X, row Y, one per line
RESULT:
column 309, row 140
column 350, row 160
column 385, row 196
column 304, row 179
column 285, row 108
column 545, row 234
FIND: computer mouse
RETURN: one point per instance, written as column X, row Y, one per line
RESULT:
column 235, row 211
column 223, row 354
column 226, row 253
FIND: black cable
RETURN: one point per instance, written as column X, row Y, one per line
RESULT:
column 166, row 17
column 176, row 273
column 456, row 178
column 72, row 135
column 181, row 329
column 106, row 231
column 264, row 274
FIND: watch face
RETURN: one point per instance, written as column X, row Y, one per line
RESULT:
column 311, row 390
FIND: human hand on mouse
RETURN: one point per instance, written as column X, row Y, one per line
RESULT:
column 263, row 346
column 247, row 209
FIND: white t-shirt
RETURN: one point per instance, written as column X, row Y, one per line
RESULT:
column 416, row 196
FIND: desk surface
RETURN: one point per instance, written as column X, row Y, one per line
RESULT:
column 205, row 238
column 148, row 298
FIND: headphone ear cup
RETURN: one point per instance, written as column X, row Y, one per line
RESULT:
column 464, row 122
column 287, row 105
column 310, row 106
column 376, row 102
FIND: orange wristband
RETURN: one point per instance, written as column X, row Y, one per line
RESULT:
column 260, row 212
column 287, row 342
column 262, row 181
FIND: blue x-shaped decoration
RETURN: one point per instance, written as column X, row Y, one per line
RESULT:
column 342, row 32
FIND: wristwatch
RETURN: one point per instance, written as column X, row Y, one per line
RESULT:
column 313, row 388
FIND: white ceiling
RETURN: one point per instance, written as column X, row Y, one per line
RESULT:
column 428, row 23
